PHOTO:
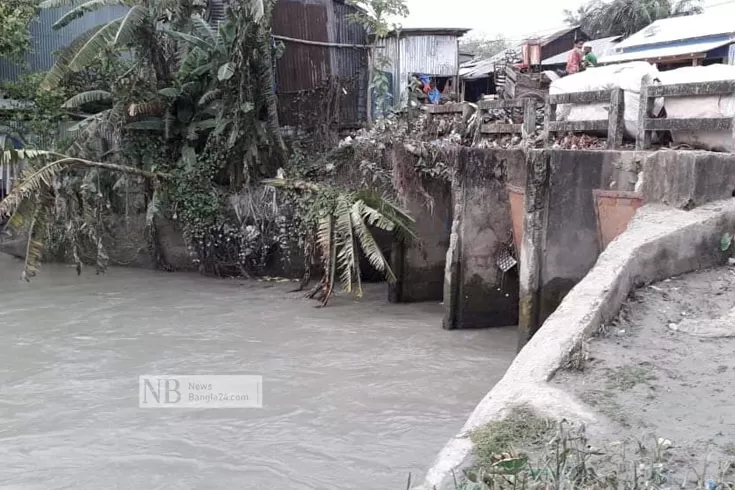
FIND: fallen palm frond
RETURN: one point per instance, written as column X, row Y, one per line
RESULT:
column 343, row 220
column 33, row 197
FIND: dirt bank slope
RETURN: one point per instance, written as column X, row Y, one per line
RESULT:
column 666, row 368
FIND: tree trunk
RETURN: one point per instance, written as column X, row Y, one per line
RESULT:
column 369, row 98
column 268, row 85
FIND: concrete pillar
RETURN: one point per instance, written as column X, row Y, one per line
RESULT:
column 532, row 245
column 477, row 293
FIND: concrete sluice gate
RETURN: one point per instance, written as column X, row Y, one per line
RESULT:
column 515, row 230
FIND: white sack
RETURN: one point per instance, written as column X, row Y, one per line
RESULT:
column 702, row 106
column 627, row 76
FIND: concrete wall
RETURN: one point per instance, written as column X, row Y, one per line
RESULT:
column 561, row 242
column 659, row 243
column 419, row 267
column 477, row 292
column 685, row 179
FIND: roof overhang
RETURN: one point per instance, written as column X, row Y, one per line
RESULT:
column 692, row 50
column 430, row 31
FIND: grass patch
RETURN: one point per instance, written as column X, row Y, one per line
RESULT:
column 567, row 461
column 628, row 377
column 521, row 429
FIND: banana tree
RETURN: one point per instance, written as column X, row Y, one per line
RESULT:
column 342, row 222
column 39, row 196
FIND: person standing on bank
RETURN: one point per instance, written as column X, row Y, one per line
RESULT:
column 574, row 62
column 590, row 59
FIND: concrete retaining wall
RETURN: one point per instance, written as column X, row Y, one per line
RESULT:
column 477, row 293
column 685, row 179
column 419, row 268
column 561, row 242
column 660, row 242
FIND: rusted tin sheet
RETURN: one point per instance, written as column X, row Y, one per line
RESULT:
column 614, row 210
column 302, row 66
column 351, row 66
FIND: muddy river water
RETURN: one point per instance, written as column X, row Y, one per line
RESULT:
column 356, row 395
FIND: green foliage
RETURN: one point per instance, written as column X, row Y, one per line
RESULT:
column 39, row 120
column 483, row 47
column 341, row 223
column 15, row 16
column 600, row 18
column 51, row 188
column 522, row 428
column 376, row 16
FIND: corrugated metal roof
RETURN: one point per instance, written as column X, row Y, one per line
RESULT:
column 436, row 31
column 430, row 54
column 482, row 68
column 679, row 28
column 664, row 52
column 545, row 39
column 601, row 47
column 46, row 41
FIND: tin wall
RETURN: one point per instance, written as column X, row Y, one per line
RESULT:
column 46, row 41
column 312, row 68
column 429, row 54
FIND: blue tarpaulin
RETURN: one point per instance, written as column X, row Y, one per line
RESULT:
column 434, row 95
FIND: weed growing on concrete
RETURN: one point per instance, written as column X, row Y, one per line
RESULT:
column 522, row 428
column 577, row 358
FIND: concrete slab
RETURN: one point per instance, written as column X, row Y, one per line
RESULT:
column 660, row 242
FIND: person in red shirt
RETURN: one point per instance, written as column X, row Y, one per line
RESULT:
column 574, row 62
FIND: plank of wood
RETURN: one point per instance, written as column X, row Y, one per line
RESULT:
column 694, row 124
column 564, row 126
column 501, row 128
column 529, row 118
column 724, row 87
column 616, row 119
column 454, row 108
column 645, row 111
column 581, row 97
column 500, row 104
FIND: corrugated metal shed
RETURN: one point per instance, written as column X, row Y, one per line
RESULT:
column 46, row 41
column 432, row 52
column 601, row 47
column 482, row 68
column 307, row 67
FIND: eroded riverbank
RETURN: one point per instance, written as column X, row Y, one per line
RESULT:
column 357, row 395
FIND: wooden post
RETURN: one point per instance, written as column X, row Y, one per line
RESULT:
column 549, row 117
column 529, row 119
column 616, row 119
column 643, row 139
